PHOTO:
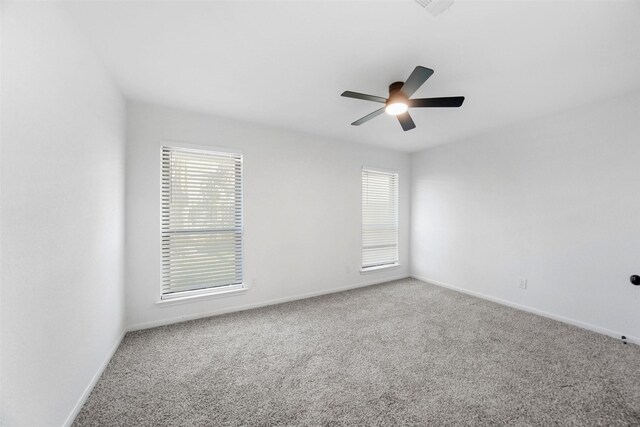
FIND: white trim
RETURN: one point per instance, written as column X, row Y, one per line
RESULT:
column 563, row 319
column 378, row 268
column 201, row 294
column 202, row 147
column 87, row 391
column 382, row 170
column 184, row 318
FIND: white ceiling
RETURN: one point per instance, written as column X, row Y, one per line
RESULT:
column 285, row 63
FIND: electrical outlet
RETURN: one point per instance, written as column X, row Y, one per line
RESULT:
column 347, row 268
column 253, row 282
column 522, row 282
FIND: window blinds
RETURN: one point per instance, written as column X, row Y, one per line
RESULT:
column 379, row 218
column 201, row 220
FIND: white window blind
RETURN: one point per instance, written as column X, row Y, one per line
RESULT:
column 379, row 218
column 201, row 221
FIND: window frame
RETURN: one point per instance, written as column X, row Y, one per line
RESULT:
column 396, row 263
column 197, row 294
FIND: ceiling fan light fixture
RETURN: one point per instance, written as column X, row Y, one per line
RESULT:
column 399, row 100
column 396, row 108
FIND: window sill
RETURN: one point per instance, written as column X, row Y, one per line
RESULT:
column 378, row 268
column 215, row 293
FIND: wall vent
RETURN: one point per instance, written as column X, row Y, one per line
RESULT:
column 435, row 7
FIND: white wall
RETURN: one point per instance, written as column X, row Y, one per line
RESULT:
column 555, row 200
column 62, row 207
column 301, row 211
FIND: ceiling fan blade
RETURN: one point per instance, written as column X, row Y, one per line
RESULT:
column 364, row 96
column 368, row 117
column 451, row 101
column 415, row 80
column 406, row 121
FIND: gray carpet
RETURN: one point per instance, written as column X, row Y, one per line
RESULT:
column 401, row 353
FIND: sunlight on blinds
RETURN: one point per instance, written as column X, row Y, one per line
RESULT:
column 379, row 218
column 201, row 220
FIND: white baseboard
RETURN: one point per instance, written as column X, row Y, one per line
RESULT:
column 185, row 318
column 87, row 391
column 578, row 323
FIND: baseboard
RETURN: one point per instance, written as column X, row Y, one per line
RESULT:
column 87, row 391
column 559, row 318
column 185, row 318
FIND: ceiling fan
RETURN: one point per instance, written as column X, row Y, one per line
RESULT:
column 398, row 101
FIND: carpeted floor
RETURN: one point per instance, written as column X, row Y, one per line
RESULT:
column 401, row 353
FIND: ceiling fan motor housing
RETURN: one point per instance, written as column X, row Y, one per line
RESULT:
column 394, row 87
column 394, row 93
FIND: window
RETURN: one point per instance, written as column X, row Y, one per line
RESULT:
column 379, row 219
column 201, row 222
